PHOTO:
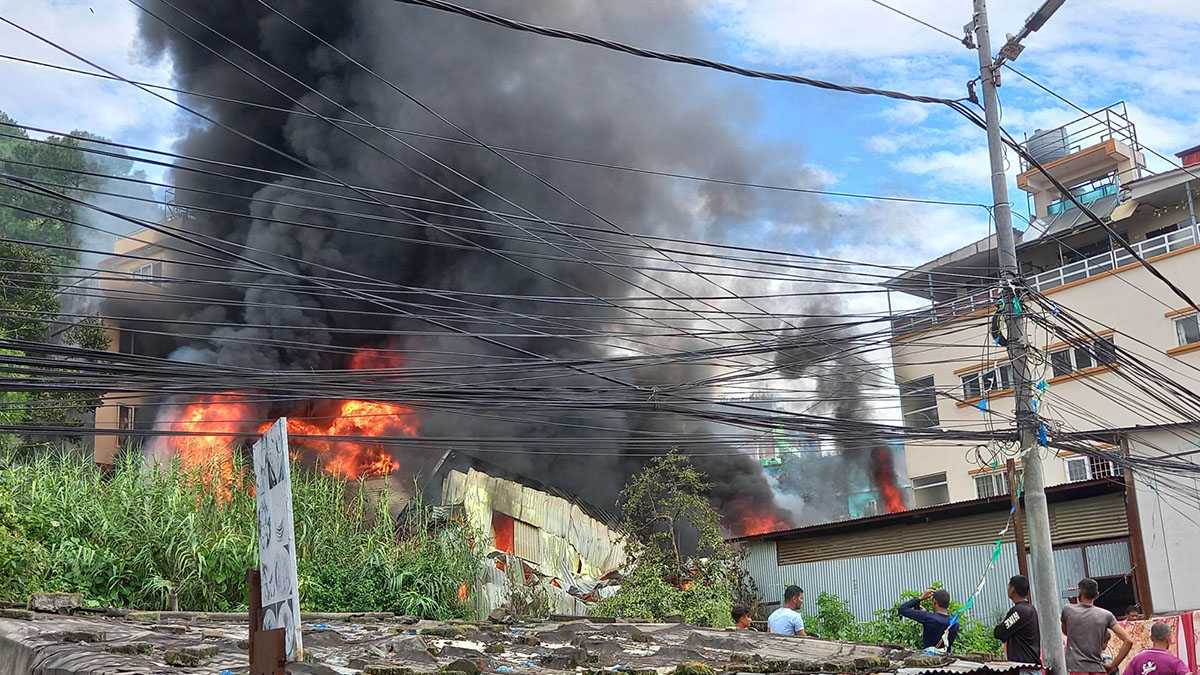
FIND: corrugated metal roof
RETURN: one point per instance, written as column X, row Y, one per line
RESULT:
column 958, row 667
column 1055, row 493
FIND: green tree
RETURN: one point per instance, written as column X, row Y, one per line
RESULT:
column 664, row 504
column 835, row 621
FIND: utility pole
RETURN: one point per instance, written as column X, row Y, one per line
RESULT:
column 1045, row 585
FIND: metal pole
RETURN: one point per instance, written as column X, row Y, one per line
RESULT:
column 1018, row 526
column 1045, row 585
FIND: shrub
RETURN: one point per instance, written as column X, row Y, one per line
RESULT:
column 133, row 538
column 834, row 620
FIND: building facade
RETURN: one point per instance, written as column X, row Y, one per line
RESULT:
column 953, row 374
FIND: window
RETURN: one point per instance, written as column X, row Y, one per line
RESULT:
column 993, row 484
column 125, row 341
column 994, row 378
column 152, row 272
column 931, row 490
column 1069, row 360
column 1188, row 330
column 1081, row 468
column 126, row 418
column 918, row 403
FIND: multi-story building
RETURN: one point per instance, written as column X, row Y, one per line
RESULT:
column 136, row 272
column 952, row 373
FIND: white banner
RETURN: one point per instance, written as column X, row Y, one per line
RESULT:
column 276, row 537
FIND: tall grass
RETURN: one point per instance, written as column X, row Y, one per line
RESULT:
column 132, row 538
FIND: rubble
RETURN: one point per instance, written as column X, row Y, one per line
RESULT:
column 55, row 602
column 402, row 647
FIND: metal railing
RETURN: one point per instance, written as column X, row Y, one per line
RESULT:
column 964, row 305
column 1111, row 260
column 1084, row 132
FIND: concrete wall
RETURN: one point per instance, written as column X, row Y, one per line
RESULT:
column 1170, row 523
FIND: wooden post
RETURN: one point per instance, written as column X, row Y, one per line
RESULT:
column 1018, row 519
column 268, row 652
column 1137, row 545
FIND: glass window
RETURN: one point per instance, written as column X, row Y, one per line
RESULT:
column 970, row 385
column 918, row 403
column 989, row 380
column 1006, row 380
column 985, row 486
column 1188, row 329
column 1077, row 469
column 1101, row 468
column 931, row 490
column 1083, row 358
column 1105, row 351
column 1060, row 362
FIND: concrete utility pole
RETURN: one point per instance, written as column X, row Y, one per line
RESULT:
column 1045, row 585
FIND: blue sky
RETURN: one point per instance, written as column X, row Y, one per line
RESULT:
column 1094, row 52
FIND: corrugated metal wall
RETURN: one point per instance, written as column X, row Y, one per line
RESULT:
column 869, row 583
column 1078, row 520
column 527, row 542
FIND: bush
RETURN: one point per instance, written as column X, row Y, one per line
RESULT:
column 834, row 620
column 132, row 539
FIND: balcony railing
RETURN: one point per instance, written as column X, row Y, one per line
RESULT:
column 1111, row 260
column 964, row 305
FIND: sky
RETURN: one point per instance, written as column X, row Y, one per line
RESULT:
column 1093, row 52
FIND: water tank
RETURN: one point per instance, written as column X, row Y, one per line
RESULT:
column 1047, row 146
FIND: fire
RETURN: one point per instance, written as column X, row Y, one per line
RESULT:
column 351, row 458
column 751, row 522
column 885, row 480
column 212, row 455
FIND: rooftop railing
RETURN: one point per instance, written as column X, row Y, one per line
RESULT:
column 1096, row 265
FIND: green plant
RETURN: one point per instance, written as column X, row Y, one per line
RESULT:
column 834, row 620
column 136, row 537
column 667, row 498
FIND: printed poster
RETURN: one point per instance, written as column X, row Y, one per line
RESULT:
column 276, row 538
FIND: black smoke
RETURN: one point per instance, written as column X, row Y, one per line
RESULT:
column 512, row 90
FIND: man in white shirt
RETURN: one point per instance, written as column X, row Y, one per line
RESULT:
column 787, row 620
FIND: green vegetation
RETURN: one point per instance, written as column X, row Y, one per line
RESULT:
column 660, row 504
column 834, row 620
column 130, row 539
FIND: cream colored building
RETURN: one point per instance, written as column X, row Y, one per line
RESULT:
column 141, row 265
column 949, row 368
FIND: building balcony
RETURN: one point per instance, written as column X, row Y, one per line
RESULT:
column 1097, row 265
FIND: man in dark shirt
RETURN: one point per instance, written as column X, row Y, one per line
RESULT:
column 1019, row 631
column 933, row 624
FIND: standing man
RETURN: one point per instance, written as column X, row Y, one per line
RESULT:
column 787, row 620
column 935, row 623
column 1019, row 631
column 1157, row 660
column 1086, row 627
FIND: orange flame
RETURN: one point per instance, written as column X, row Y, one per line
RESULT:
column 211, row 455
column 885, row 480
column 355, row 459
column 750, row 523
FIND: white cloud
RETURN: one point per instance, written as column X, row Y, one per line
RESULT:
column 945, row 166
column 104, row 31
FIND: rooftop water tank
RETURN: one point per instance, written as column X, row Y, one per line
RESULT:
column 1047, row 146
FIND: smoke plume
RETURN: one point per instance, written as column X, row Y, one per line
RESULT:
column 512, row 90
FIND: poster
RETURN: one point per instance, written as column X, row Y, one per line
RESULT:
column 276, row 538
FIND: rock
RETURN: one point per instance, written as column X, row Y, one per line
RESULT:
column 694, row 668
column 567, row 658
column 211, row 634
column 871, row 663
column 387, row 669
column 500, row 615
column 406, row 619
column 61, row 603
column 743, row 657
column 976, row 657
column 465, row 666
column 175, row 657
column 81, row 636
column 529, row 639
column 201, row 651
column 23, row 614
column 837, row 667
column 411, row 648
column 673, row 618
column 447, row 632
column 702, row 640
column 143, row 616
column 495, row 648
column 143, row 648
column 452, row 652
column 925, row 661
column 172, row 628
column 243, row 645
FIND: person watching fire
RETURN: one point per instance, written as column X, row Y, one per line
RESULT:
column 787, row 620
column 741, row 617
column 935, row 623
